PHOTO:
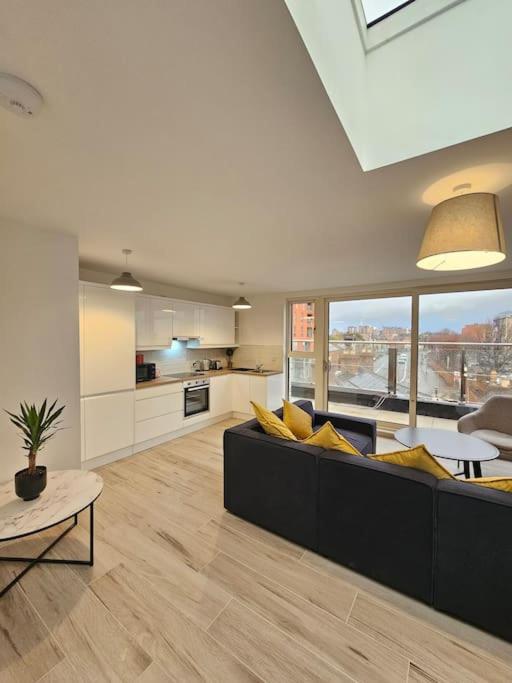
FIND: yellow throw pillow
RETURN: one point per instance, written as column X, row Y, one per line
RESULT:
column 327, row 437
column 498, row 483
column 271, row 424
column 297, row 420
column 418, row 458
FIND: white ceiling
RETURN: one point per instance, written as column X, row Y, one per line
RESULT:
column 199, row 135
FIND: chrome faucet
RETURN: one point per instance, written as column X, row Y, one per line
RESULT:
column 259, row 367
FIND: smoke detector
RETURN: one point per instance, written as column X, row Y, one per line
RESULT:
column 19, row 96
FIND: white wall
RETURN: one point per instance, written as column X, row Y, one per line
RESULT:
column 39, row 344
column 263, row 324
column 160, row 289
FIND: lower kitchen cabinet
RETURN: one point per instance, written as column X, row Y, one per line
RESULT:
column 108, row 423
column 268, row 390
column 221, row 395
column 157, row 426
column 158, row 411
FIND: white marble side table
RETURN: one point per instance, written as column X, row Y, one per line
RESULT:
column 67, row 493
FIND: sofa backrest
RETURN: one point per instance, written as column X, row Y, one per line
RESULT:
column 473, row 566
column 378, row 519
column 272, row 482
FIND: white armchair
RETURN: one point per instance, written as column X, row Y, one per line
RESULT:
column 492, row 422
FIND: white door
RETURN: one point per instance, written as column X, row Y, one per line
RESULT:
column 108, row 337
column 221, row 395
column 108, row 423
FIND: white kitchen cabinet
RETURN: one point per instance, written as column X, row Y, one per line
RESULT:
column 221, row 395
column 217, row 326
column 158, row 405
column 108, row 423
column 154, row 322
column 241, row 393
column 157, row 426
column 267, row 390
column 186, row 319
column 158, row 411
column 107, row 340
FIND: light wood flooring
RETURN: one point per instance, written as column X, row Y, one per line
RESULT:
column 183, row 591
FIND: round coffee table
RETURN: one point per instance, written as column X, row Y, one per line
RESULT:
column 67, row 493
column 450, row 445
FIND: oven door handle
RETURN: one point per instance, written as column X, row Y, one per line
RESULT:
column 191, row 389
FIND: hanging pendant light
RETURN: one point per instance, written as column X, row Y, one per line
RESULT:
column 126, row 282
column 463, row 232
column 241, row 304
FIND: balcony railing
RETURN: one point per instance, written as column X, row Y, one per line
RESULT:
column 377, row 374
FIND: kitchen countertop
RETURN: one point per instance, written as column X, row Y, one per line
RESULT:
column 207, row 373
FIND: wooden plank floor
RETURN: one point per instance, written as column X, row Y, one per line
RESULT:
column 183, row 591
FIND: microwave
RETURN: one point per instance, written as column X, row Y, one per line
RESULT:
column 145, row 372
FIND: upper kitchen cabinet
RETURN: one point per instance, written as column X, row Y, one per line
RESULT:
column 154, row 322
column 107, row 340
column 217, row 326
column 186, row 320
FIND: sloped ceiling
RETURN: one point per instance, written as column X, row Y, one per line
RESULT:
column 199, row 135
column 438, row 84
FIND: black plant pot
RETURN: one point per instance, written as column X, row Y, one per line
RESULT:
column 29, row 486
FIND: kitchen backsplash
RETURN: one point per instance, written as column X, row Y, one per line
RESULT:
column 179, row 358
column 248, row 356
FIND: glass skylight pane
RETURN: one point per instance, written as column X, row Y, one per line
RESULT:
column 376, row 10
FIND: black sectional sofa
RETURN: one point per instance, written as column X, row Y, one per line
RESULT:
column 446, row 543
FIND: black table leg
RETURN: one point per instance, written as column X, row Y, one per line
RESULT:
column 41, row 559
column 467, row 472
column 477, row 469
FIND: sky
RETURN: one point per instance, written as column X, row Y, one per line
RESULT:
column 373, row 9
column 437, row 311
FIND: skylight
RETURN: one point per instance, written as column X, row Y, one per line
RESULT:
column 377, row 10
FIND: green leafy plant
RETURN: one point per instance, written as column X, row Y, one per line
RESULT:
column 37, row 426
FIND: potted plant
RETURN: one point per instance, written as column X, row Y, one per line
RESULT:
column 37, row 426
column 229, row 354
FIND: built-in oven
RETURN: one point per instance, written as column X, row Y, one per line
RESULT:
column 197, row 396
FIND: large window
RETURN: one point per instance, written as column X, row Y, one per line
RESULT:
column 465, row 352
column 370, row 358
column 422, row 357
column 301, row 359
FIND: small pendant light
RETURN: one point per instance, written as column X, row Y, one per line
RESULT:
column 463, row 232
column 126, row 282
column 241, row 304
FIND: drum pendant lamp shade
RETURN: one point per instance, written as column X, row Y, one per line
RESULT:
column 463, row 232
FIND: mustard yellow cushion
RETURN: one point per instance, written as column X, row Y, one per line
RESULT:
column 297, row 420
column 328, row 437
column 271, row 424
column 418, row 458
column 499, row 483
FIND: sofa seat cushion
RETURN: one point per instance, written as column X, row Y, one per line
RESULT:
column 501, row 440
